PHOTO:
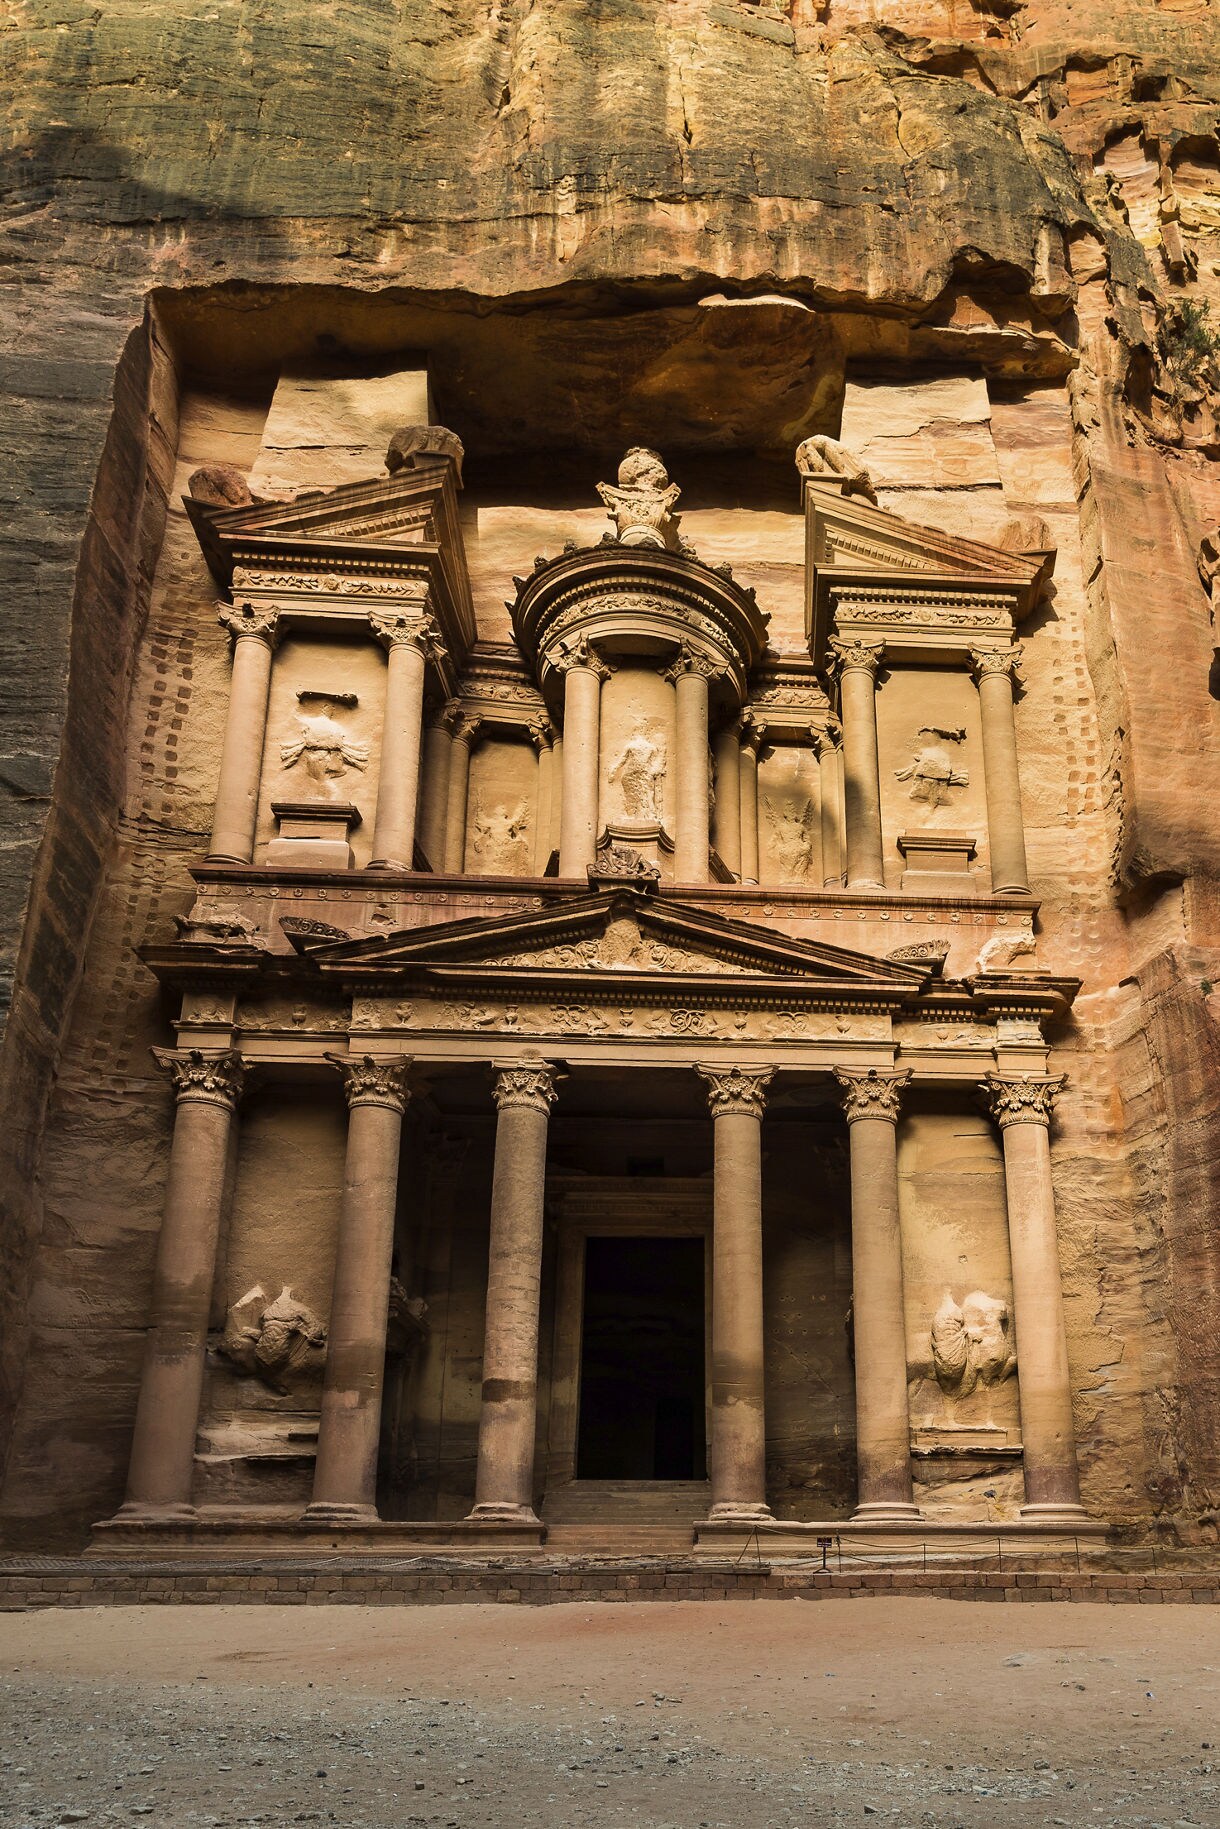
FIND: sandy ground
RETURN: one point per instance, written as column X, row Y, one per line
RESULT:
column 684, row 1716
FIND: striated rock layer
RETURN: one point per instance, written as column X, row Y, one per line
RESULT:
column 980, row 242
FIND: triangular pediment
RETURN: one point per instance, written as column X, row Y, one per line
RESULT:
column 619, row 936
column 852, row 534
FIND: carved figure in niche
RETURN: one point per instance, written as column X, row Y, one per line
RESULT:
column 641, row 507
column 823, row 456
column 270, row 1340
column 971, row 1345
column 791, row 836
column 640, row 776
column 932, row 770
column 498, row 835
column 322, row 745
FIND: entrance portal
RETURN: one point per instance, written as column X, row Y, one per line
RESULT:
column 642, row 1361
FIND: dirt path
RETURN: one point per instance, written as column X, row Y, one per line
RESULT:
column 695, row 1716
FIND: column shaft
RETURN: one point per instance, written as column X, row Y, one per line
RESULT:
column 1048, row 1431
column 438, row 745
column 858, row 664
column 581, row 769
column 345, row 1473
column 1005, row 822
column 749, row 806
column 831, row 785
column 556, row 792
column 691, row 839
column 458, row 790
column 883, row 1427
column 167, row 1414
column 241, row 756
column 505, row 1479
column 739, row 1438
column 398, row 778
column 727, row 809
column 542, row 837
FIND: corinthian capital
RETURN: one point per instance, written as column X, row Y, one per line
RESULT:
column 991, row 662
column 246, row 618
column 736, row 1089
column 531, row 1085
column 1019, row 1101
column 689, row 660
column 367, row 1081
column 578, row 651
column 876, row 1093
column 857, row 656
column 213, row 1079
column 400, row 628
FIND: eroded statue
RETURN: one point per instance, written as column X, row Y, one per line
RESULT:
column 639, row 775
column 641, row 505
column 823, row 456
column 791, row 836
column 971, row 1343
column 933, row 770
column 270, row 1340
column 322, row 745
column 500, row 834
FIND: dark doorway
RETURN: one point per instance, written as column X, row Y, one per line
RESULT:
column 641, row 1361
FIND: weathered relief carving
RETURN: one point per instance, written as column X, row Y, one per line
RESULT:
column 933, row 770
column 325, row 749
column 823, row 456
column 1000, row 951
column 791, row 825
column 617, row 863
column 300, row 930
column 271, row 1340
column 639, row 775
column 642, row 504
column 971, row 1343
column 922, row 952
column 412, row 442
column 499, row 836
column 221, row 924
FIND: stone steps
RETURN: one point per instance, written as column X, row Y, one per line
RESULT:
column 601, row 1540
column 627, row 1503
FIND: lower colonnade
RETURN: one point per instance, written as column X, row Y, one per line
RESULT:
column 209, row 1087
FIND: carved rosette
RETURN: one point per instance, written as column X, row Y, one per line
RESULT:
column 530, row 1086
column 367, row 1081
column 992, row 663
column 736, row 1090
column 689, row 660
column 211, row 1079
column 876, row 1093
column 857, row 656
column 399, row 628
column 1019, row 1101
column 579, row 651
column 258, row 620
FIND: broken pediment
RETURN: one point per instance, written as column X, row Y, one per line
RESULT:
column 624, row 935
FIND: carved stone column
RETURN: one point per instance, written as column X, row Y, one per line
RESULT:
column 739, row 1444
column 827, row 744
column 726, row 813
column 541, row 737
column 409, row 641
column 465, row 731
column 751, row 742
column 1022, row 1109
column 994, row 674
column 504, row 1484
column 583, row 670
column 883, row 1425
column 167, row 1413
column 858, row 664
column 438, row 746
column 690, row 674
column 253, row 628
column 345, row 1473
column 556, row 791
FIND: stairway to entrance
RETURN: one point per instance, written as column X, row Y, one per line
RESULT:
column 624, row 1517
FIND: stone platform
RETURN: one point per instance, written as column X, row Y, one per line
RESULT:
column 32, row 1582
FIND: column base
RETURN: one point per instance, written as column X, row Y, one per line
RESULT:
column 324, row 1513
column 1052, row 1513
column 864, row 882
column 500, row 1511
column 140, row 1511
column 885, row 1511
column 733, row 1511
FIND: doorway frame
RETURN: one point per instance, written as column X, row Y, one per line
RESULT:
column 613, row 1206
